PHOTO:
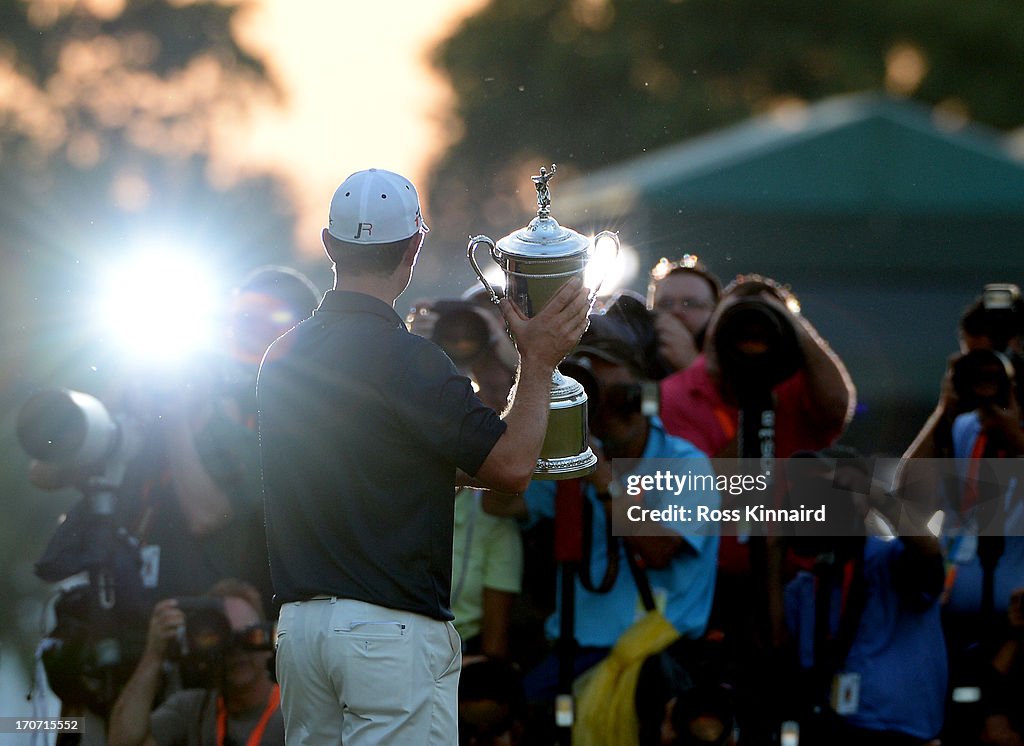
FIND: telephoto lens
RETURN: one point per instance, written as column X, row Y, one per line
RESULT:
column 756, row 346
column 461, row 331
column 66, row 427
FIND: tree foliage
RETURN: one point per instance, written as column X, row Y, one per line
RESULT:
column 589, row 82
column 109, row 114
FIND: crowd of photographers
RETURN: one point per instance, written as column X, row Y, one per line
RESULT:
column 663, row 639
column 168, row 535
column 904, row 638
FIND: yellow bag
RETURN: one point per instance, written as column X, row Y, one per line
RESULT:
column 605, row 709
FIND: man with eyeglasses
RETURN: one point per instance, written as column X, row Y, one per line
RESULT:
column 682, row 295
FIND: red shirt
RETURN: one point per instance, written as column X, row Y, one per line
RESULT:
column 693, row 409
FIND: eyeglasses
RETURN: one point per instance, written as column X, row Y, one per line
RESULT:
column 685, row 304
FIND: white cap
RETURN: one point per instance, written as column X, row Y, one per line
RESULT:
column 375, row 207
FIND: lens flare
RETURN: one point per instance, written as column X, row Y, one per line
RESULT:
column 158, row 307
column 608, row 271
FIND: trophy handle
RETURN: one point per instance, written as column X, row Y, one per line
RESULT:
column 597, row 239
column 471, row 251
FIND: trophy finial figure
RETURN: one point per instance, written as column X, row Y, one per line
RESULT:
column 543, row 192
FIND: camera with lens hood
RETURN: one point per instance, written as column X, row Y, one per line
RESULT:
column 622, row 334
column 756, row 346
column 461, row 330
column 70, row 429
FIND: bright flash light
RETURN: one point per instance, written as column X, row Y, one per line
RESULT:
column 158, row 307
column 607, row 270
column 793, row 304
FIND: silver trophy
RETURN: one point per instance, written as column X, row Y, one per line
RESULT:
column 537, row 260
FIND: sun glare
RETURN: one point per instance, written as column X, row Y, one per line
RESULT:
column 158, row 307
column 608, row 269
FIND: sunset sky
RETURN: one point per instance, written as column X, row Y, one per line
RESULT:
column 359, row 93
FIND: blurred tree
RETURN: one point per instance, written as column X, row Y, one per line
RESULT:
column 586, row 83
column 111, row 112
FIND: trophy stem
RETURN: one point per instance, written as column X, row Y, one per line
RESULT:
column 566, row 454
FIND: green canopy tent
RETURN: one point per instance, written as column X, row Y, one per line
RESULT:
column 884, row 216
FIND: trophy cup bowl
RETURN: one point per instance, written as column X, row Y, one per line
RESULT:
column 536, row 261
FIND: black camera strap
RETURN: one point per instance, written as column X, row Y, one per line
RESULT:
column 831, row 650
column 643, row 583
column 611, row 570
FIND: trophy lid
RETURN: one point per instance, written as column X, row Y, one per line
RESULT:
column 543, row 238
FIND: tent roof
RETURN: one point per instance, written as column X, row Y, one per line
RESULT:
column 848, row 155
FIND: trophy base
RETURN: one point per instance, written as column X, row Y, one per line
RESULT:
column 567, row 467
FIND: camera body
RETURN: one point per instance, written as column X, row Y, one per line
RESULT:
column 622, row 334
column 619, row 400
column 1004, row 313
column 985, row 377
column 207, row 637
column 461, row 330
column 85, row 666
column 459, row 327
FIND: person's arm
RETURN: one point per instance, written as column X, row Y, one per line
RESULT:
column 129, row 719
column 205, row 505
column 676, row 344
column 543, row 341
column 505, row 505
column 830, row 387
column 496, row 622
column 919, row 571
column 939, row 425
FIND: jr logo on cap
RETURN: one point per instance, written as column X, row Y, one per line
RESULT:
column 368, row 227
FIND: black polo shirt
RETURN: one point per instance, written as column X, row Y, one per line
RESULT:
column 362, row 426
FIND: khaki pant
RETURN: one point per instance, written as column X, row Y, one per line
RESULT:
column 357, row 674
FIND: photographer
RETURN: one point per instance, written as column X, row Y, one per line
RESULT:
column 1000, row 714
column 666, row 567
column 986, row 379
column 992, row 323
column 981, row 533
column 239, row 703
column 166, row 511
column 765, row 386
column 762, row 348
column 865, row 608
column 683, row 296
column 171, row 501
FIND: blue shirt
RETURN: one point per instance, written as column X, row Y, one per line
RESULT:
column 683, row 590
column 898, row 650
column 960, row 540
